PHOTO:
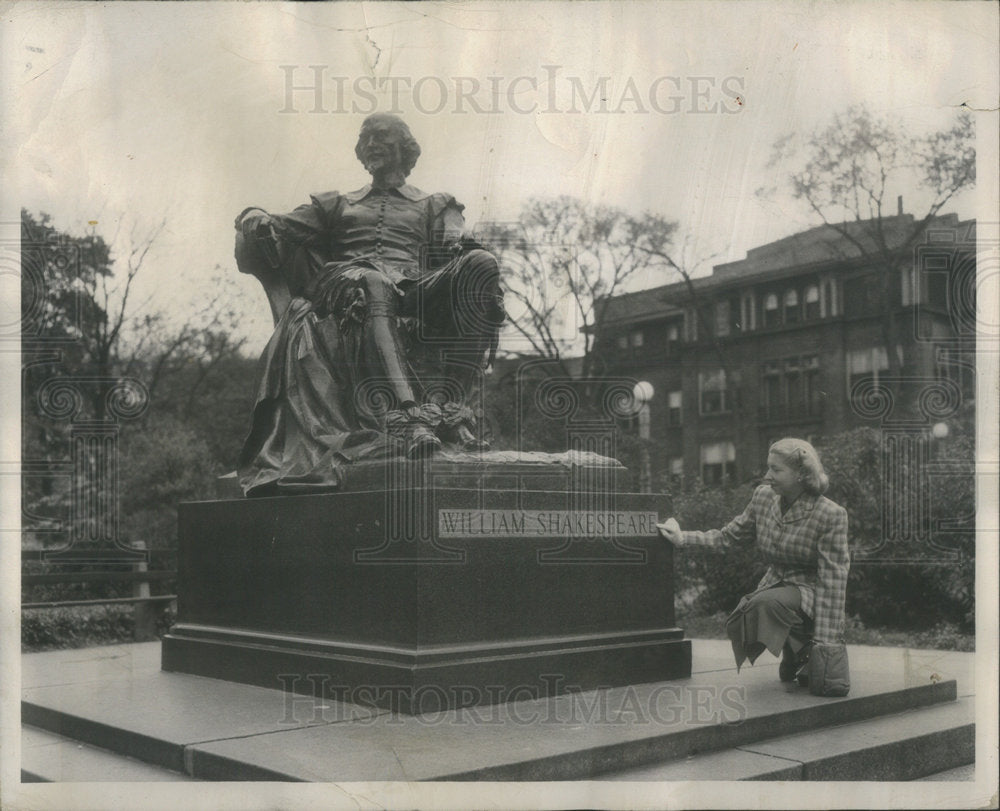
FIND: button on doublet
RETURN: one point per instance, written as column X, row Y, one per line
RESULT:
column 381, row 219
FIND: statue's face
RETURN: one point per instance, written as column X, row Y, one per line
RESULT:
column 381, row 148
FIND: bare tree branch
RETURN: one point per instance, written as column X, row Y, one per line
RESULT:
column 570, row 254
column 843, row 174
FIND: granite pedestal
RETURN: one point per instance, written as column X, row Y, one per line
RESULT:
column 428, row 595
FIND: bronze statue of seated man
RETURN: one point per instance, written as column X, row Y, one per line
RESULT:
column 385, row 317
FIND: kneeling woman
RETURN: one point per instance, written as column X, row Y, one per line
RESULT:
column 798, row 606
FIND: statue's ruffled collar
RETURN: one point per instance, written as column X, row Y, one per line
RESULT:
column 411, row 193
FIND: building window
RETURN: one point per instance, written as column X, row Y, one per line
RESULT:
column 736, row 321
column 935, row 292
column 812, row 394
column 793, row 384
column 636, row 339
column 862, row 296
column 674, row 414
column 675, row 469
column 772, row 317
column 791, row 306
column 812, row 302
column 673, row 336
column 718, row 462
column 722, row 318
column 705, row 326
column 728, row 319
column 910, row 286
column 622, row 341
column 713, row 397
column 692, row 324
column 748, row 304
column 771, row 399
column 908, row 277
column 864, row 364
column 802, row 394
column 791, row 389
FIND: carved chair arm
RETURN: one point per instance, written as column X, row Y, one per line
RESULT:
column 251, row 259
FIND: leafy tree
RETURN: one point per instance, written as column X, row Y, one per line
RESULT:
column 70, row 322
column 74, row 288
column 80, row 321
column 164, row 462
column 916, row 582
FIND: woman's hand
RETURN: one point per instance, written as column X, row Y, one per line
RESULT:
column 671, row 530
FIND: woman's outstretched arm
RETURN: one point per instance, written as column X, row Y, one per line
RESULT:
column 742, row 529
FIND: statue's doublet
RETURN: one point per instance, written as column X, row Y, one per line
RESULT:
column 391, row 229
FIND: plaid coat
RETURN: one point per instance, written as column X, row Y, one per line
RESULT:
column 805, row 547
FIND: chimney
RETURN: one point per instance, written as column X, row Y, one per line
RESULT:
column 899, row 205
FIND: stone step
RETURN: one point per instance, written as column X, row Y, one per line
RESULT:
column 906, row 746
column 569, row 738
column 118, row 700
column 153, row 716
column 221, row 730
column 964, row 774
column 50, row 758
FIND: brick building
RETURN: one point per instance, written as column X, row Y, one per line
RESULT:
column 772, row 345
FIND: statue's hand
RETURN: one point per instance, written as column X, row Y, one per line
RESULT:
column 255, row 224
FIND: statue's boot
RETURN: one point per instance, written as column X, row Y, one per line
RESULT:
column 421, row 442
column 463, row 435
column 464, row 371
column 468, row 441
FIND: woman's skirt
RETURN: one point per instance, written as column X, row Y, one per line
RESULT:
column 766, row 620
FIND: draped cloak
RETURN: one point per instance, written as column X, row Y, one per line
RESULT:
column 306, row 424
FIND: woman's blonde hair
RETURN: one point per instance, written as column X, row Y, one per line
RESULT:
column 800, row 456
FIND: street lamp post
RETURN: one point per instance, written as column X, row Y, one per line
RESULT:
column 643, row 393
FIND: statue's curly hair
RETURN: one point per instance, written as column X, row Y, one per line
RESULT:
column 409, row 147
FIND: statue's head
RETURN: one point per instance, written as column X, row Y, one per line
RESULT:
column 386, row 143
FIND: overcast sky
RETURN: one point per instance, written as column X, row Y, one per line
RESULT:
column 145, row 111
